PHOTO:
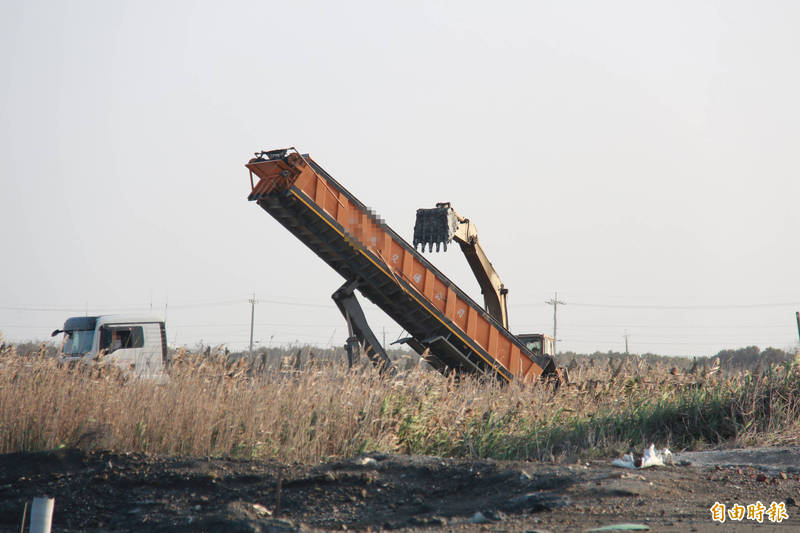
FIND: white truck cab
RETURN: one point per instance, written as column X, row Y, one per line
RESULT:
column 134, row 342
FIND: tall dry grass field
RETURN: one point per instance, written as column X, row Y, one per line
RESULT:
column 214, row 407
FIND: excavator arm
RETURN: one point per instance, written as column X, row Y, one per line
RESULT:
column 439, row 226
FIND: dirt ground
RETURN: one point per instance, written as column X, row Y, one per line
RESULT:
column 130, row 492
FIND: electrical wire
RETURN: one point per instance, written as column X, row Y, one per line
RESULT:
column 670, row 307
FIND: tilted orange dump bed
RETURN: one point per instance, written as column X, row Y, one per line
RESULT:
column 355, row 242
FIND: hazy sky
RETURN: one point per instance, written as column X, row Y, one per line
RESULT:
column 640, row 158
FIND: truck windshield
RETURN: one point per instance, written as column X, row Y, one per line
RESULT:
column 77, row 342
column 534, row 345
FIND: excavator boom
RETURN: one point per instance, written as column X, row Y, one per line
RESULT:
column 445, row 325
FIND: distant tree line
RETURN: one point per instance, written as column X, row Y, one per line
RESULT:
column 752, row 357
column 740, row 359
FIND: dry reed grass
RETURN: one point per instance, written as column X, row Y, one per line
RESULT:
column 212, row 406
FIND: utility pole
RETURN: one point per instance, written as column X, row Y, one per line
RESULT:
column 555, row 303
column 797, row 316
column 252, row 316
column 626, row 342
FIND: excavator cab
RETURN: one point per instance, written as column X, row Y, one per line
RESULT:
column 538, row 343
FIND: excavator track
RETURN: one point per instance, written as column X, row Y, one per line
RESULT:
column 445, row 325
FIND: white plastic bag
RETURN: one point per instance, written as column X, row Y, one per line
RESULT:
column 651, row 457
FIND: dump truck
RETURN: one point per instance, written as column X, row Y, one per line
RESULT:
column 446, row 327
column 135, row 343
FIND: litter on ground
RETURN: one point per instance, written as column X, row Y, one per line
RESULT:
column 650, row 457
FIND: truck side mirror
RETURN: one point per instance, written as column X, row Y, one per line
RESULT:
column 56, row 332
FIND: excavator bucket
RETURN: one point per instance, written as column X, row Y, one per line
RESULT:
column 435, row 226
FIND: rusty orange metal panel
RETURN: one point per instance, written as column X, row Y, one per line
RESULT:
column 396, row 257
column 503, row 350
column 461, row 313
column 386, row 248
column 492, row 345
column 418, row 274
column 341, row 209
column 482, row 332
column 472, row 322
column 408, row 265
column 428, row 288
column 532, row 371
column 450, row 304
column 319, row 192
column 514, row 364
column 306, row 179
column 439, row 294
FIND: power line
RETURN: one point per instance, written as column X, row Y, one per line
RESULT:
column 677, row 307
column 663, row 326
column 648, row 338
column 114, row 308
column 797, row 316
column 82, row 309
column 676, row 343
column 686, row 307
column 106, row 309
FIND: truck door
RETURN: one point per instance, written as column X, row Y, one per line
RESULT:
column 123, row 343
